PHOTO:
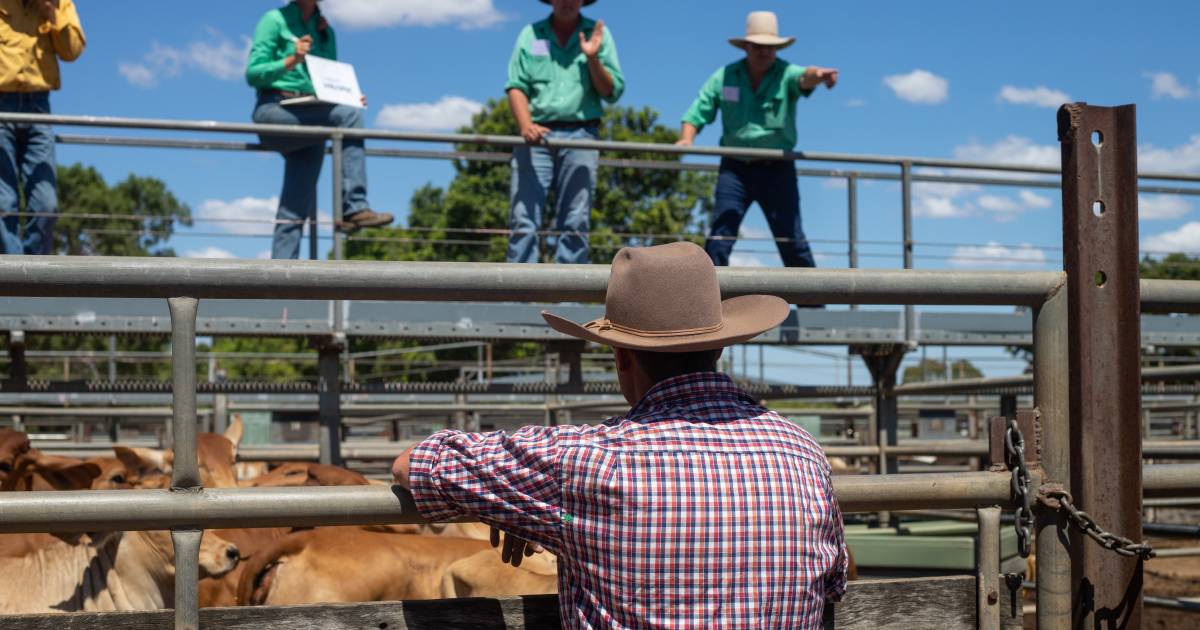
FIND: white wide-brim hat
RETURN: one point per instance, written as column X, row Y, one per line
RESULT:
column 762, row 28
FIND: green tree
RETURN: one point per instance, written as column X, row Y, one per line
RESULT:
column 83, row 196
column 1170, row 267
column 933, row 370
column 466, row 220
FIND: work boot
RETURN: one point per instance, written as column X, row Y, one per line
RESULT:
column 365, row 218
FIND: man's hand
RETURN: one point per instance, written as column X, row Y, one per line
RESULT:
column 591, row 45
column 814, row 76
column 515, row 549
column 49, row 10
column 534, row 133
column 683, row 142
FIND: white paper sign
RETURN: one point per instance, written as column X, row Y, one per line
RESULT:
column 539, row 48
column 731, row 93
column 335, row 82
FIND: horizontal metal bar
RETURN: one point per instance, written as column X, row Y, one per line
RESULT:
column 1170, row 296
column 103, row 276
column 216, row 508
column 968, row 385
column 510, row 141
column 1170, row 480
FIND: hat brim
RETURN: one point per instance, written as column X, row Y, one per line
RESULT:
column 762, row 40
column 745, row 317
column 585, row 2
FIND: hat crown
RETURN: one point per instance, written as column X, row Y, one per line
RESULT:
column 762, row 23
column 664, row 288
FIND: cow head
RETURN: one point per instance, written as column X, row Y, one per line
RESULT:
column 13, row 446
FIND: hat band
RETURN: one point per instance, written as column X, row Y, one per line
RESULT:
column 603, row 324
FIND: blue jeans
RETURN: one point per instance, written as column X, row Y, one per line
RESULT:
column 27, row 156
column 572, row 175
column 773, row 185
column 303, row 158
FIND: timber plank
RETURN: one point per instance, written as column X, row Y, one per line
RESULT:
column 903, row 603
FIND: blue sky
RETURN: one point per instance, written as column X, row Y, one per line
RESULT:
column 936, row 78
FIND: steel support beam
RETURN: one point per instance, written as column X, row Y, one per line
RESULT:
column 1051, row 399
column 329, row 399
column 1100, row 247
column 185, row 471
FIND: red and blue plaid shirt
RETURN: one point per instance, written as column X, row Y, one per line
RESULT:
column 699, row 508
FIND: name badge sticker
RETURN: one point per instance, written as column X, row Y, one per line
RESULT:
column 731, row 93
column 539, row 48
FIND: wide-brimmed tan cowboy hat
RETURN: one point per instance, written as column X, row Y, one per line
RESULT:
column 666, row 299
column 762, row 28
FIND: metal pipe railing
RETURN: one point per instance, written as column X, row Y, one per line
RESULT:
column 972, row 385
column 115, row 277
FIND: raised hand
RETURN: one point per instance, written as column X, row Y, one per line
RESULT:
column 591, row 45
column 515, row 549
column 534, row 133
column 303, row 46
column 48, row 9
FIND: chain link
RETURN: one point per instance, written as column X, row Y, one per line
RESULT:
column 1054, row 497
column 1014, row 456
column 1119, row 544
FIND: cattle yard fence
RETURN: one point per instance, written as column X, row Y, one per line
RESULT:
column 1083, row 431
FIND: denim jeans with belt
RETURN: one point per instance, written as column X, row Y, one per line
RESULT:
column 572, row 175
column 773, row 185
column 27, row 157
column 303, row 157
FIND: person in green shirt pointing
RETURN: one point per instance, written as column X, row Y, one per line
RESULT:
column 757, row 100
column 283, row 39
column 561, row 71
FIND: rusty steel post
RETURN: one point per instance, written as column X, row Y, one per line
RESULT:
column 1100, row 256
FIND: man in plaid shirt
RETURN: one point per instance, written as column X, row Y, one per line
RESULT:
column 699, row 508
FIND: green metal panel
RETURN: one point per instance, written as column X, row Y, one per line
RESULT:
column 257, row 426
column 946, row 545
column 812, row 424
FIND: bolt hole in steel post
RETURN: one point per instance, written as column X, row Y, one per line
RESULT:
column 1100, row 279
column 1098, row 208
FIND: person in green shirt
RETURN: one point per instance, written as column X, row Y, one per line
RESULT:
column 757, row 97
column 562, row 70
column 283, row 39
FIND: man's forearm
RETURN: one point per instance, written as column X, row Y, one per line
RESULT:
column 519, row 103
column 601, row 79
column 400, row 468
column 687, row 132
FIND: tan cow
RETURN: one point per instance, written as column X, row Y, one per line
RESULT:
column 486, row 575
column 306, row 474
column 351, row 564
column 113, row 571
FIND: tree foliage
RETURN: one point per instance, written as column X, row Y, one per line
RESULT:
column 83, row 194
column 933, row 370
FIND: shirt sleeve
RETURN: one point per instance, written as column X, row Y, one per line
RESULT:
column 507, row 480
column 835, row 536
column 264, row 67
column 792, row 75
column 608, row 59
column 518, row 76
column 66, row 35
column 704, row 109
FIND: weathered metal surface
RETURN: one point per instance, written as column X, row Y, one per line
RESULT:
column 329, row 400
column 1100, row 247
column 184, row 470
column 1052, row 399
column 987, row 570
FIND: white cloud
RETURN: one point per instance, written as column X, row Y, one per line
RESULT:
column 856, row 102
column 216, row 56
column 999, row 203
column 997, row 256
column 1162, row 207
column 1040, row 96
column 1165, row 84
column 208, row 252
column 449, row 113
column 919, row 86
column 1185, row 240
column 464, row 14
column 138, row 74
column 942, row 201
column 1184, row 158
column 263, row 255
column 1033, row 200
column 246, row 215
column 1011, row 150
column 740, row 259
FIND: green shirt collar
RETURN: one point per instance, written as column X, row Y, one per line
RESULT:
column 545, row 30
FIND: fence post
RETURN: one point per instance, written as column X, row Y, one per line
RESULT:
column 220, row 413
column 18, row 369
column 1100, row 249
column 987, row 566
column 882, row 362
column 1051, row 398
column 329, row 398
column 906, row 217
column 185, row 473
column 336, row 209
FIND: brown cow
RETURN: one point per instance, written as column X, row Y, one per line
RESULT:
column 486, row 575
column 114, row 571
column 26, row 468
column 351, row 564
column 306, row 474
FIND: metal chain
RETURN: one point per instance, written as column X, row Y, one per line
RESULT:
column 1055, row 497
column 1014, row 456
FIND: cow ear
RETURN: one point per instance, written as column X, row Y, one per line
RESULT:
column 76, row 477
column 234, row 431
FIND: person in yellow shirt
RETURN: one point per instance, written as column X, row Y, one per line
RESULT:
column 34, row 35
